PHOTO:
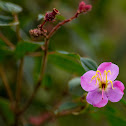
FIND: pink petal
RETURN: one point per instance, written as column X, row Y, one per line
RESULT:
column 95, row 98
column 109, row 66
column 115, row 95
column 86, row 82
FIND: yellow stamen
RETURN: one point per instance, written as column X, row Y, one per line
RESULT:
column 111, row 83
column 109, row 71
column 100, row 80
column 99, row 73
column 106, row 75
column 97, row 80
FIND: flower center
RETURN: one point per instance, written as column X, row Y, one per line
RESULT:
column 102, row 81
column 103, row 85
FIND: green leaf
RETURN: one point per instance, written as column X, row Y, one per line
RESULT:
column 115, row 116
column 47, row 81
column 24, row 47
column 40, row 17
column 67, row 61
column 2, row 43
column 75, row 87
column 10, row 7
column 88, row 64
column 6, row 111
column 7, row 21
column 66, row 106
column 4, row 52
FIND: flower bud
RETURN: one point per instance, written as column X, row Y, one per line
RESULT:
column 51, row 16
column 88, row 8
column 81, row 6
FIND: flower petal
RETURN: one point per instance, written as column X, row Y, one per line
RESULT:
column 115, row 95
column 86, row 82
column 109, row 66
column 95, row 98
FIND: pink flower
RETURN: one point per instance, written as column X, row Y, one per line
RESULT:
column 101, row 86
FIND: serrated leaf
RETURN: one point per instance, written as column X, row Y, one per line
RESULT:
column 88, row 64
column 67, row 61
column 6, row 111
column 10, row 7
column 24, row 47
column 75, row 87
column 7, row 21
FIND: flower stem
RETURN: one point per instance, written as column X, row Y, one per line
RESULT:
column 62, row 23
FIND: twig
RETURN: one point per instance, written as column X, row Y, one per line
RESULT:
column 17, row 27
column 10, row 44
column 44, row 61
column 19, row 76
column 20, row 71
column 62, row 23
column 6, row 84
column 19, row 81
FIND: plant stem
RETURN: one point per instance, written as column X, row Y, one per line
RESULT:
column 6, row 84
column 43, row 24
column 19, row 81
column 62, row 23
column 10, row 44
column 44, row 60
column 20, row 71
column 19, row 76
column 17, row 27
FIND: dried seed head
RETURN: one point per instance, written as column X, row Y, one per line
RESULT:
column 37, row 32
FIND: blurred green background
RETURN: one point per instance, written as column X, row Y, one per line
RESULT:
column 99, row 35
